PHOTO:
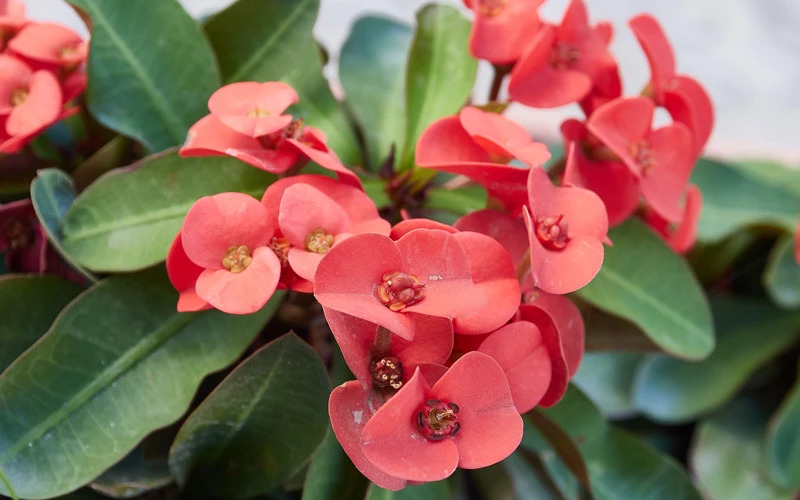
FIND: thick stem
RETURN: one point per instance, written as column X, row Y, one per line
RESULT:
column 500, row 72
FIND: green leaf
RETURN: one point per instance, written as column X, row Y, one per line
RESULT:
column 134, row 475
column 727, row 458
column 128, row 218
column 460, row 201
column 258, row 427
column 736, row 196
column 52, row 193
column 783, row 441
column 261, row 40
column 436, row 490
column 645, row 282
column 620, row 466
column 782, row 276
column 332, row 475
column 147, row 86
column 440, row 73
column 607, row 379
column 372, row 67
column 750, row 334
column 108, row 157
column 28, row 305
column 527, row 481
column 118, row 362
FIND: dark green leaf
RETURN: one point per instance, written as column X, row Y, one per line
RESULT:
column 109, row 157
column 134, row 475
column 643, row 281
column 118, row 362
column 258, row 427
column 28, row 305
column 750, row 334
column 332, row 475
column 738, row 196
column 52, row 193
column 372, row 68
column 129, row 217
column 436, row 490
column 150, row 84
column 261, row 40
column 782, row 276
column 440, row 73
column 607, row 379
column 783, row 441
column 527, row 481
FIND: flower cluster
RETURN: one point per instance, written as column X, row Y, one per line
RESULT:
column 41, row 71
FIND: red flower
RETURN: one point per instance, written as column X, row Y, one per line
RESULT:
column 467, row 419
column 314, row 213
column 566, row 227
column 228, row 236
column 13, row 143
column 663, row 159
column 29, row 100
column 680, row 237
column 12, row 19
column 502, row 28
column 685, row 99
column 381, row 281
column 611, row 180
column 607, row 84
column 478, row 144
column 51, row 44
column 563, row 334
column 183, row 274
column 520, row 350
column 253, row 109
column 561, row 63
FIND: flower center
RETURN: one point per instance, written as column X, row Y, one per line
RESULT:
column 257, row 112
column 292, row 131
column 318, row 241
column 19, row 234
column 399, row 290
column 18, row 96
column 552, row 232
column 563, row 56
column 387, row 372
column 67, row 51
column 237, row 258
column 643, row 155
column 281, row 248
column 437, row 420
column 491, row 8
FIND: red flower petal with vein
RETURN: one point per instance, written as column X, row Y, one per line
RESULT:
column 563, row 333
column 228, row 235
column 183, row 274
column 376, row 279
column 253, row 109
column 680, row 238
column 502, row 28
column 467, row 419
column 312, row 143
column 49, row 43
column 494, row 273
column 520, row 350
column 612, row 181
column 566, row 227
column 663, row 158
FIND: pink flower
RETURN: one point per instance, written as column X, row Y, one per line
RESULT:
column 51, row 44
column 682, row 236
column 29, row 100
column 502, row 28
column 253, row 109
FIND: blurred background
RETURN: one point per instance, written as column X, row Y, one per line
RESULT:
column 746, row 52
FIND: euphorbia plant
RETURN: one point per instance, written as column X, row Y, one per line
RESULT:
column 175, row 324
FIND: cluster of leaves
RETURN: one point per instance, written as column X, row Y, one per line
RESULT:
column 103, row 383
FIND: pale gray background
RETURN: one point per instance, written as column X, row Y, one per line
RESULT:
column 746, row 52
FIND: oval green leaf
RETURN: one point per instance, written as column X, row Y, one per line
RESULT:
column 28, row 305
column 257, row 40
column 134, row 475
column 151, row 88
column 645, row 282
column 258, row 427
column 782, row 276
column 440, row 72
column 372, row 68
column 128, row 218
column 52, row 193
column 607, row 379
column 783, row 441
column 118, row 363
column 750, row 334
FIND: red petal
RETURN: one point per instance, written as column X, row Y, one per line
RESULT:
column 502, row 138
column 305, row 209
column 189, row 301
column 446, row 142
column 182, row 272
column 657, row 48
column 406, row 226
column 216, row 223
column 688, row 103
column 14, row 74
column 392, row 442
column 432, row 344
column 491, row 428
column 507, row 230
column 622, row 122
column 349, row 414
column 74, row 85
column 245, row 292
column 520, row 351
column 495, row 274
column 234, row 103
column 500, row 37
column 41, row 108
column 664, row 184
column 304, row 263
column 440, row 263
column 326, row 159
column 46, row 42
column 348, row 277
column 685, row 235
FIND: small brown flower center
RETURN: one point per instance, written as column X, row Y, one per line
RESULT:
column 552, row 232
column 399, row 290
column 292, row 131
column 281, row 247
column 387, row 372
column 491, row 8
column 237, row 258
column 18, row 96
column 19, row 234
column 564, row 56
column 643, row 155
column 318, row 241
column 437, row 419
